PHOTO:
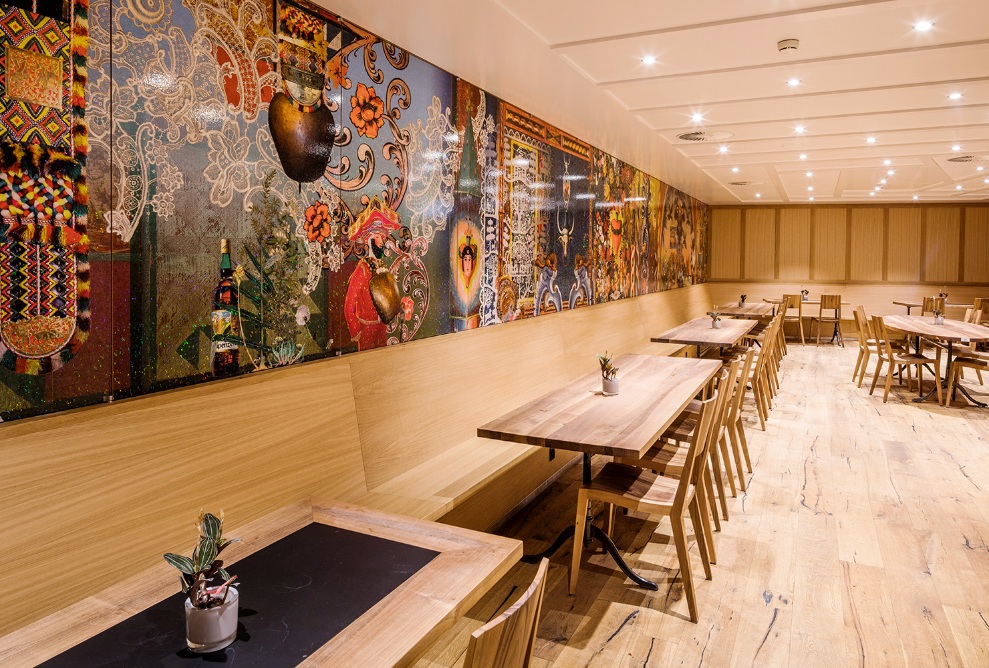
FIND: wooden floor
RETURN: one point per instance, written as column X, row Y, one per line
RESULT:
column 863, row 540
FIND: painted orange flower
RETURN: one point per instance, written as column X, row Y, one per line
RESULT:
column 407, row 307
column 368, row 111
column 317, row 224
column 336, row 69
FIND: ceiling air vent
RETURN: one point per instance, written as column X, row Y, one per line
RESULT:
column 744, row 183
column 969, row 158
column 703, row 135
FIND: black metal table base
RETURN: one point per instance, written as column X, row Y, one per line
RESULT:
column 944, row 381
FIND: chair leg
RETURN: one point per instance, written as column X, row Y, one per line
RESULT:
column 680, row 540
column 889, row 382
column 978, row 372
column 704, row 509
column 719, row 481
column 740, row 430
column 737, row 451
column 858, row 363
column 726, row 458
column 578, row 538
column 875, row 376
column 818, row 323
column 609, row 521
column 937, row 378
column 920, row 382
column 800, row 324
column 709, row 485
column 952, row 375
column 865, row 364
column 695, row 519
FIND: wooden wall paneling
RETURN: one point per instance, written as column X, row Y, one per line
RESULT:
column 942, row 245
column 794, row 247
column 865, row 244
column 976, row 246
column 759, row 243
column 903, row 261
column 829, row 244
column 128, row 479
column 726, row 244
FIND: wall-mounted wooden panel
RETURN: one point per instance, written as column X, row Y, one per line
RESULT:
column 866, row 244
column 829, row 244
column 903, row 245
column 726, row 244
column 976, row 247
column 760, row 243
column 942, row 243
column 794, row 236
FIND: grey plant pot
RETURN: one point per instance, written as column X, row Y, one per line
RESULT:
column 214, row 628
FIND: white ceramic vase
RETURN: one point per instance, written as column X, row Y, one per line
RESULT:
column 214, row 628
column 939, row 320
column 609, row 385
column 715, row 323
column 741, row 304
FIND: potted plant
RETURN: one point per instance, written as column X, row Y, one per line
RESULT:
column 609, row 375
column 741, row 301
column 804, row 294
column 715, row 318
column 942, row 294
column 938, row 317
column 212, row 605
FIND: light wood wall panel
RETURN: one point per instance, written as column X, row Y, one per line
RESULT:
column 903, row 245
column 830, row 247
column 976, row 245
column 942, row 241
column 726, row 244
column 794, row 240
column 866, row 244
column 759, row 244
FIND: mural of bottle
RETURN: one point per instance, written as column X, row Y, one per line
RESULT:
column 225, row 354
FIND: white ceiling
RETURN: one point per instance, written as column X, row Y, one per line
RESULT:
column 865, row 71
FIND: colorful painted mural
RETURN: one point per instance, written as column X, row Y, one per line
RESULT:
column 370, row 198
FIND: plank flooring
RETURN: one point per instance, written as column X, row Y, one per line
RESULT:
column 863, row 540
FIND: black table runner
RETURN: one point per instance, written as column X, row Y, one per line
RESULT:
column 295, row 595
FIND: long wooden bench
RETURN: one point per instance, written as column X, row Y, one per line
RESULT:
column 393, row 428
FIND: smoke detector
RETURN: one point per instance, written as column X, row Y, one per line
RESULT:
column 705, row 135
column 788, row 44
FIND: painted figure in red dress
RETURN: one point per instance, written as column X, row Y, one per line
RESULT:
column 363, row 316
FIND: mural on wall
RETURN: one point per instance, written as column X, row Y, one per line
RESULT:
column 370, row 198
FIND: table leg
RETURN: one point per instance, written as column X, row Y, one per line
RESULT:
column 591, row 532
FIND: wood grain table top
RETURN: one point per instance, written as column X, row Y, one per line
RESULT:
column 654, row 390
column 951, row 330
column 814, row 302
column 752, row 309
column 699, row 332
column 912, row 304
column 395, row 632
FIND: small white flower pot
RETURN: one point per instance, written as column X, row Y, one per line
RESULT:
column 939, row 320
column 741, row 304
column 716, row 324
column 214, row 628
column 609, row 386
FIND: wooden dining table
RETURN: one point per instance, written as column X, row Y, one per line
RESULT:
column 355, row 587
column 579, row 417
column 951, row 332
column 747, row 310
column 699, row 332
column 916, row 304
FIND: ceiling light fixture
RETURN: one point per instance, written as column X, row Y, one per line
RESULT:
column 986, row 181
column 697, row 118
column 722, row 149
column 810, row 199
column 810, row 174
column 956, row 147
column 882, row 181
column 979, row 168
column 872, row 194
column 803, row 156
column 810, row 189
column 870, row 140
column 955, row 96
column 734, row 170
column 887, row 163
column 916, row 196
column 958, row 187
column 793, row 82
column 890, row 172
column 648, row 60
column 799, row 129
column 758, row 195
column 923, row 26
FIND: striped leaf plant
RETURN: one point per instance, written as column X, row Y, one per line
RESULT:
column 202, row 576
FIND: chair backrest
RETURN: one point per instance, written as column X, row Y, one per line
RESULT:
column 744, row 370
column 700, row 444
column 982, row 304
column 882, row 336
column 831, row 303
column 973, row 316
column 793, row 301
column 507, row 640
column 862, row 323
column 932, row 304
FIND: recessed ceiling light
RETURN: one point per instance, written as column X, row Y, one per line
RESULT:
column 799, row 129
column 979, row 168
column 887, row 163
column 890, row 172
column 793, row 82
column 803, row 156
column 870, row 140
column 882, row 181
column 916, row 196
column 955, row 96
column 877, row 188
column 648, row 60
column 810, row 173
column 872, row 194
column 734, row 170
column 722, row 149
column 986, row 181
column 810, row 199
column 956, row 147
column 697, row 118
column 958, row 187
column 923, row 26
column 758, row 194
column 810, row 188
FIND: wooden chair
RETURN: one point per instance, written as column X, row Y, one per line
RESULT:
column 868, row 344
column 507, row 640
column 968, row 360
column 794, row 302
column 642, row 490
column 932, row 304
column 974, row 317
column 982, row 304
column 829, row 303
column 893, row 360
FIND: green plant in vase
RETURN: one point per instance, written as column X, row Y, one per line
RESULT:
column 609, row 374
